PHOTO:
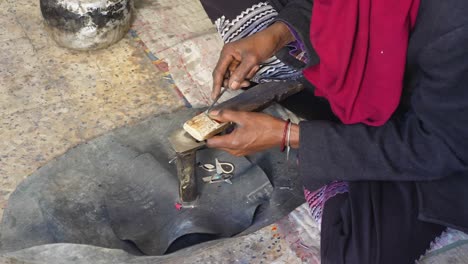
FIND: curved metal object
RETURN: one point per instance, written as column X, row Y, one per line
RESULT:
column 87, row 24
column 221, row 167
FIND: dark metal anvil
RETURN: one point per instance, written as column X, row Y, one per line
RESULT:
column 186, row 147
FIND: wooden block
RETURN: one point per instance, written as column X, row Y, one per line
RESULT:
column 201, row 127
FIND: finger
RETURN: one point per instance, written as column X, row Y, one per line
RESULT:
column 233, row 66
column 240, row 74
column 226, row 79
column 220, row 142
column 233, row 152
column 225, row 116
column 219, row 72
column 253, row 72
column 245, row 84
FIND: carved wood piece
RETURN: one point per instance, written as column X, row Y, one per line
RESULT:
column 201, row 127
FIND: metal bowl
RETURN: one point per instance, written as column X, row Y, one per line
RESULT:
column 87, row 24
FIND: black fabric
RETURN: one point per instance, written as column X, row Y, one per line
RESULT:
column 308, row 106
column 119, row 191
column 128, row 204
column 429, row 142
column 140, row 202
column 356, row 228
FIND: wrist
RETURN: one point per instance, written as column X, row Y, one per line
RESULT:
column 282, row 34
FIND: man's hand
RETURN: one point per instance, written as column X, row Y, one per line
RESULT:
column 239, row 60
column 254, row 132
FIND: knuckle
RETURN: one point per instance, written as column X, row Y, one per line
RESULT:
column 227, row 48
column 243, row 115
column 235, row 143
column 237, row 77
column 251, row 59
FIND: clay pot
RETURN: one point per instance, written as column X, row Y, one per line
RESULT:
column 87, row 24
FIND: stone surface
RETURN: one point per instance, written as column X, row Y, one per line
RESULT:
column 53, row 98
column 180, row 32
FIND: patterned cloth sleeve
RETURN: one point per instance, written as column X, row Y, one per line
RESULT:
column 297, row 15
column 250, row 21
column 316, row 199
column 297, row 48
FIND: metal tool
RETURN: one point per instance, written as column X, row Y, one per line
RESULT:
column 185, row 146
column 180, row 206
column 208, row 166
column 219, row 167
column 215, row 100
column 218, row 178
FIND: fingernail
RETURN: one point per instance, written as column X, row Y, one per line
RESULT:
column 214, row 112
column 235, row 85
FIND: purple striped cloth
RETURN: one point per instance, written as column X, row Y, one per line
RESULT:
column 317, row 199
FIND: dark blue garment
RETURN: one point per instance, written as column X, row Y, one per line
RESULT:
column 429, row 145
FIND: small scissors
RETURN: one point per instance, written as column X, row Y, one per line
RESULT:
column 223, row 170
column 218, row 178
column 219, row 167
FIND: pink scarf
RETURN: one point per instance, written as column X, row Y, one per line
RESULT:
column 362, row 46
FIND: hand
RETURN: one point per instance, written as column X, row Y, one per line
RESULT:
column 239, row 60
column 254, row 132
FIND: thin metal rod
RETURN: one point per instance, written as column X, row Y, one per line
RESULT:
column 215, row 100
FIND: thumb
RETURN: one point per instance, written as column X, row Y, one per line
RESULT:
column 225, row 116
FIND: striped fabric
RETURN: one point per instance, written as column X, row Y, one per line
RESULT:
column 317, row 199
column 248, row 22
